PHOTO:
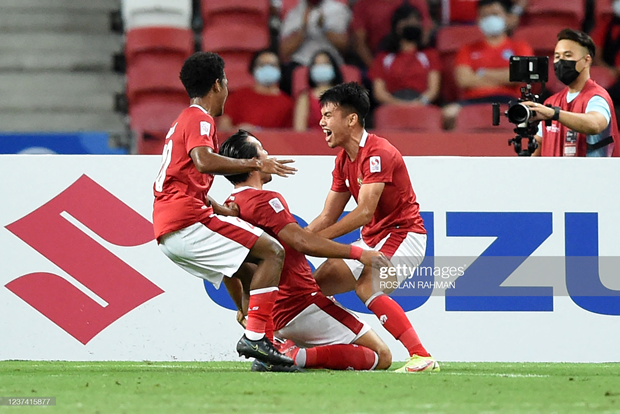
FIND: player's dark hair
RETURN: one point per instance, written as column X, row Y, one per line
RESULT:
column 200, row 71
column 256, row 55
column 504, row 3
column 338, row 79
column 350, row 96
column 579, row 37
column 237, row 146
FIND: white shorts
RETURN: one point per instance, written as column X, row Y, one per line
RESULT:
column 323, row 322
column 406, row 249
column 212, row 249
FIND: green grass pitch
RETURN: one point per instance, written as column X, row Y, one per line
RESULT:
column 229, row 387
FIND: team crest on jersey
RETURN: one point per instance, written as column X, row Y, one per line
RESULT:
column 360, row 180
column 276, row 204
column 375, row 164
column 205, row 128
column 171, row 131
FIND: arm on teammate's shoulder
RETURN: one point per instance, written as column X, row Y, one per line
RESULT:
column 208, row 162
column 333, row 208
column 361, row 215
column 230, row 209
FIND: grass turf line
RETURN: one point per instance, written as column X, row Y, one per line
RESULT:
column 229, row 387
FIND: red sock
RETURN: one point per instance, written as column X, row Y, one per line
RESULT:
column 269, row 329
column 394, row 320
column 343, row 356
column 259, row 312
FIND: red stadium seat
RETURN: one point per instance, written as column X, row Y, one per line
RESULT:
column 237, row 69
column 168, row 40
column 410, row 118
column 450, row 40
column 216, row 12
column 541, row 38
column 602, row 76
column 235, row 37
column 602, row 10
column 154, row 73
column 149, row 143
column 567, row 13
column 350, row 73
column 479, row 118
column 154, row 114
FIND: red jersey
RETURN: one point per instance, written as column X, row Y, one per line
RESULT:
column 379, row 162
column 269, row 211
column 459, row 11
column 180, row 190
column 405, row 70
column 607, row 30
column 246, row 106
column 482, row 55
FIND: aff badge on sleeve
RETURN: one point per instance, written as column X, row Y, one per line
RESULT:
column 375, row 164
column 276, row 204
column 205, row 128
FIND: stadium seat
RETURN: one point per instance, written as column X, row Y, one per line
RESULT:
column 154, row 114
column 350, row 73
column 169, row 40
column 602, row 10
column 410, row 118
column 542, row 38
column 602, row 76
column 149, row 13
column 235, row 37
column 236, row 68
column 479, row 118
column 450, row 40
column 153, row 73
column 566, row 13
column 149, row 143
column 217, row 12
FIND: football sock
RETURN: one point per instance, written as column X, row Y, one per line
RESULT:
column 259, row 312
column 394, row 320
column 269, row 329
column 342, row 356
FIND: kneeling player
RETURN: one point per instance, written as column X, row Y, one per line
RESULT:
column 331, row 336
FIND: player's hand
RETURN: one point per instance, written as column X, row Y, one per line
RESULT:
column 542, row 112
column 241, row 318
column 374, row 259
column 278, row 167
column 230, row 209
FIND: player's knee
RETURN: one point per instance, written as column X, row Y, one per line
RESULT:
column 322, row 273
column 385, row 357
column 364, row 290
column 276, row 253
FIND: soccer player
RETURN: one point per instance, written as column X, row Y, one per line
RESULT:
column 330, row 336
column 189, row 226
column 374, row 172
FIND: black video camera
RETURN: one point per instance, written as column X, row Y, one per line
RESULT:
column 527, row 69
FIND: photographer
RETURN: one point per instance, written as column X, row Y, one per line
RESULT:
column 583, row 118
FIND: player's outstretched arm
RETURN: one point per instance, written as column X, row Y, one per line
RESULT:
column 208, row 162
column 334, row 206
column 312, row 244
column 362, row 214
column 230, row 209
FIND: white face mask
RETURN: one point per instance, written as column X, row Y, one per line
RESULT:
column 492, row 25
column 616, row 7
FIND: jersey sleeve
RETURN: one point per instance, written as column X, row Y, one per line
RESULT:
column 378, row 167
column 271, row 211
column 200, row 132
column 463, row 57
column 338, row 179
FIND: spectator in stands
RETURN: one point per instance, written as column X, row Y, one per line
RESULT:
column 371, row 23
column 312, row 26
column 465, row 11
column 323, row 73
column 404, row 74
column 606, row 36
column 262, row 106
column 482, row 67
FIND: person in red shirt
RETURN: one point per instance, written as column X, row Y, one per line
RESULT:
column 263, row 105
column 188, row 225
column 371, row 23
column 606, row 36
column 464, row 11
column 330, row 336
column 371, row 170
column 482, row 67
column 404, row 74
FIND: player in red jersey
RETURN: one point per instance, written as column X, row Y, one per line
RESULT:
column 330, row 336
column 189, row 226
column 374, row 172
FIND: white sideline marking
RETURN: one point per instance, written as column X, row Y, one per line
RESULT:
column 489, row 374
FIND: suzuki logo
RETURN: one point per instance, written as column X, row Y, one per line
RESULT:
column 49, row 231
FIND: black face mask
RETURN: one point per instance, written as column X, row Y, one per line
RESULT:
column 565, row 71
column 412, row 33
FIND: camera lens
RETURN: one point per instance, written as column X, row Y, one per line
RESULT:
column 518, row 114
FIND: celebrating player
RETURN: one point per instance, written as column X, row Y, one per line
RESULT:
column 374, row 172
column 331, row 336
column 188, row 225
